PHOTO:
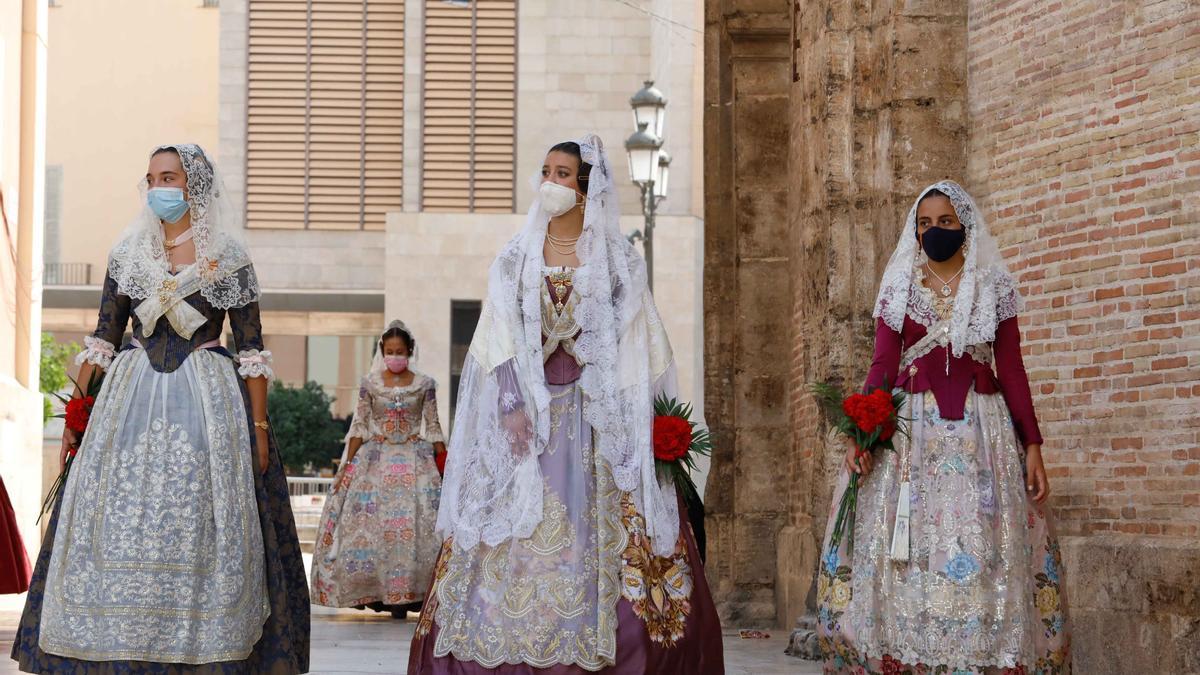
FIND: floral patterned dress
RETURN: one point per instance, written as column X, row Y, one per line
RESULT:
column 376, row 541
column 585, row 592
column 982, row 589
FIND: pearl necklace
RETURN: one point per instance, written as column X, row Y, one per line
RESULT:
column 563, row 245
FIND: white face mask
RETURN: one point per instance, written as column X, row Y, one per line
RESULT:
column 556, row 199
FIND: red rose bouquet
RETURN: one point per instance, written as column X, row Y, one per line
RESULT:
column 677, row 444
column 871, row 420
column 76, row 414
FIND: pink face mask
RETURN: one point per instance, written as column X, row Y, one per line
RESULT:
column 396, row 364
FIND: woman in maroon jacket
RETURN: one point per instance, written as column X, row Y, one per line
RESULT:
column 974, row 584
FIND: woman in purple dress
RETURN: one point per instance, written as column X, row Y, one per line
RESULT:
column 564, row 552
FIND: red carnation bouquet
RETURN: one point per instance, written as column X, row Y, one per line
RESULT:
column 677, row 444
column 871, row 420
column 76, row 414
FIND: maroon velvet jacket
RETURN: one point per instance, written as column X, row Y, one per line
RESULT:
column 951, row 390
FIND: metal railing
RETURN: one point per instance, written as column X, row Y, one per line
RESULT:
column 308, row 486
column 67, row 274
column 308, row 500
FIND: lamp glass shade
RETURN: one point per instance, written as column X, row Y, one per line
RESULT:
column 643, row 164
column 664, row 172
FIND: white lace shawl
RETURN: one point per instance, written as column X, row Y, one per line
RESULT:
column 138, row 262
column 492, row 493
column 987, row 293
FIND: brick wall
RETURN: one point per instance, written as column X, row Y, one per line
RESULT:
column 1085, row 151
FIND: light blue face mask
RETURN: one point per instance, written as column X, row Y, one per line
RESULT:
column 167, row 203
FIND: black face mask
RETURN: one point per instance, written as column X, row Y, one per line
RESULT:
column 941, row 244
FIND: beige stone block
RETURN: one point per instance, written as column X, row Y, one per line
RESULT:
column 762, row 215
column 759, row 162
column 796, row 556
column 1134, row 602
column 759, row 485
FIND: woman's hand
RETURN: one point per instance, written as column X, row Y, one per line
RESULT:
column 516, row 423
column 1035, row 474
column 856, row 463
column 69, row 440
column 263, row 446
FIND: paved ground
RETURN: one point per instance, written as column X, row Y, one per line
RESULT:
column 345, row 642
column 348, row 641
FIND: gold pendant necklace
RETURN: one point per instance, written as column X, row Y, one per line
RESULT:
column 561, row 282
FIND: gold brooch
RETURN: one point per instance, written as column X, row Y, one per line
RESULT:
column 167, row 291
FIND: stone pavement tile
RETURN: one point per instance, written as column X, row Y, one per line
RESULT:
column 764, row 657
column 352, row 642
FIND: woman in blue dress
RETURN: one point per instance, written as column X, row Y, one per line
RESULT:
column 172, row 547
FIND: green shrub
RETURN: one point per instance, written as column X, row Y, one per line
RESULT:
column 308, row 435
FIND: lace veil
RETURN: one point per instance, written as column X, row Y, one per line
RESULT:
column 492, row 490
column 138, row 263
column 987, row 293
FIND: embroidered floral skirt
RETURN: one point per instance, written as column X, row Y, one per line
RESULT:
column 376, row 541
column 584, row 593
column 140, row 570
column 982, row 591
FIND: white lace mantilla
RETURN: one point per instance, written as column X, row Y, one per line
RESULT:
column 138, row 263
column 987, row 293
column 493, row 490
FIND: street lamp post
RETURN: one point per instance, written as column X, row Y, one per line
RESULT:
column 649, row 166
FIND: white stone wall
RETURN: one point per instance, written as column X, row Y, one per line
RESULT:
column 434, row 258
column 318, row 259
column 578, row 63
column 231, row 105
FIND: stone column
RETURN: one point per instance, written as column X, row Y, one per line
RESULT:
column 414, row 102
column 233, row 83
column 747, row 294
column 23, row 39
column 878, row 110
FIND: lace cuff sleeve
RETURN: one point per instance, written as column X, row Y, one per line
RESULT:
column 360, row 426
column 97, row 352
column 255, row 363
column 433, row 427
